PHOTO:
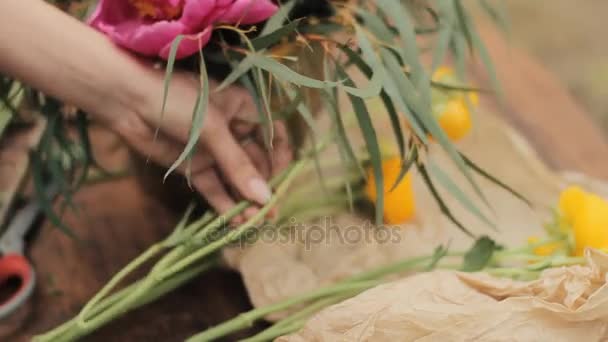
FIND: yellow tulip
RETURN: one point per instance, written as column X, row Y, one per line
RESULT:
column 399, row 204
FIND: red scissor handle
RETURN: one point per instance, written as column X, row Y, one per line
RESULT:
column 16, row 266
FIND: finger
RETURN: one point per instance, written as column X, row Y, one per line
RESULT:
column 257, row 154
column 162, row 150
column 210, row 186
column 236, row 165
column 281, row 153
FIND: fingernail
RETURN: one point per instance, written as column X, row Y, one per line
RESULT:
column 260, row 190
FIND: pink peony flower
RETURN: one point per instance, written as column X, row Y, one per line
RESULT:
column 149, row 27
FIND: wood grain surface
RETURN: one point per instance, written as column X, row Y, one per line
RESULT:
column 118, row 220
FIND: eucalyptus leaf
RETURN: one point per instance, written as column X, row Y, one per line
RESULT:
column 167, row 81
column 442, row 205
column 371, row 141
column 408, row 92
column 439, row 175
column 479, row 170
column 263, row 42
column 198, row 117
column 284, row 73
column 480, row 255
column 386, row 98
column 276, row 21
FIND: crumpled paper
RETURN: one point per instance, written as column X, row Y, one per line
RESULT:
column 564, row 304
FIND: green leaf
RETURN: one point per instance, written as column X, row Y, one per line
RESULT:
column 198, row 117
column 276, row 21
column 238, row 71
column 258, row 76
column 439, row 253
column 406, row 166
column 386, row 98
column 6, row 115
column 441, row 48
column 377, row 26
column 442, row 206
column 480, row 255
column 455, row 191
column 398, row 14
column 463, row 21
column 284, row 73
column 371, row 141
column 167, row 82
column 495, row 180
column 40, row 189
column 263, row 42
column 408, row 92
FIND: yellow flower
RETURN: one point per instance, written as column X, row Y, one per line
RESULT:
column 455, row 120
column 546, row 249
column 571, row 202
column 399, row 204
column 590, row 226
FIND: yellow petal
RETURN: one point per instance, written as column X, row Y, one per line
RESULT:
column 571, row 201
column 399, row 204
column 591, row 224
column 456, row 120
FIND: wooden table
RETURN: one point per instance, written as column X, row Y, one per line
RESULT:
column 118, row 220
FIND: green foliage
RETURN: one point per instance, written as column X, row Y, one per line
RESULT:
column 480, row 255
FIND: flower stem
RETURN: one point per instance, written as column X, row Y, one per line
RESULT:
column 70, row 330
column 132, row 266
column 237, row 233
column 289, row 324
column 246, row 319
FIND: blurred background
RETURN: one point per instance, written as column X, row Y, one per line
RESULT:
column 569, row 38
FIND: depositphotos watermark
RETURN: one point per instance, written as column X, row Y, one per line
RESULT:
column 322, row 231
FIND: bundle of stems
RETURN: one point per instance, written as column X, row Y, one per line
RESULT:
column 191, row 249
column 309, row 303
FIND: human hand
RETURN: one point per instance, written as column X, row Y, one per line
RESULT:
column 231, row 163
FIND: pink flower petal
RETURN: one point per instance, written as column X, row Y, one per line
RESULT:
column 189, row 45
column 196, row 13
column 248, row 12
column 145, row 38
column 111, row 12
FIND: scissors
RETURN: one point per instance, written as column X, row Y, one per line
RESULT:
column 13, row 264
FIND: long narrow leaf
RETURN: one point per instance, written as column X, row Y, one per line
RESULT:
column 442, row 206
column 439, row 175
column 198, row 118
column 167, row 82
column 408, row 92
column 371, row 141
column 495, row 180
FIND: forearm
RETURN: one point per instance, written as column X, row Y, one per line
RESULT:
column 63, row 57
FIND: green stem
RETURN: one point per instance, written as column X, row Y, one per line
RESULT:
column 237, row 233
column 70, row 331
column 390, row 269
column 132, row 266
column 246, row 319
column 285, row 326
